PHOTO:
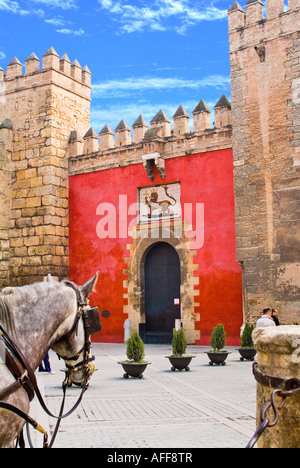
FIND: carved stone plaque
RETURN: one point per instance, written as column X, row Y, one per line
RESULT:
column 160, row 202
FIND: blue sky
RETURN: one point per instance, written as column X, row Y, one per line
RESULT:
column 144, row 56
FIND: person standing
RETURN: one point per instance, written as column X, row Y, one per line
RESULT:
column 275, row 317
column 47, row 368
column 266, row 319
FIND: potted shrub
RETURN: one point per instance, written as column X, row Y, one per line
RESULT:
column 218, row 354
column 179, row 360
column 135, row 365
column 247, row 350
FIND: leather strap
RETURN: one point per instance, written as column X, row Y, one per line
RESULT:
column 27, row 418
column 16, row 367
column 10, row 390
column 32, row 377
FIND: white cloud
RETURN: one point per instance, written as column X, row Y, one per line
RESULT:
column 12, row 7
column 57, row 21
column 138, row 85
column 2, row 55
column 67, row 31
column 113, row 114
column 132, row 97
column 63, row 4
column 136, row 19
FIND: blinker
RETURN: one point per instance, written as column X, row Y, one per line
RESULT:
column 93, row 321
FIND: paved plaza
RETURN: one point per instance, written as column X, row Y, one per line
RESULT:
column 208, row 407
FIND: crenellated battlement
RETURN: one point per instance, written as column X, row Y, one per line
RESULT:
column 66, row 73
column 251, row 26
column 159, row 129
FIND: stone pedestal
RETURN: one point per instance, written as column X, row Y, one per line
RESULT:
column 278, row 355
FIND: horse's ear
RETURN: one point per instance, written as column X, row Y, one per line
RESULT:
column 88, row 288
column 50, row 279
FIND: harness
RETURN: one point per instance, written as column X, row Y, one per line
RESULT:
column 25, row 376
column 91, row 323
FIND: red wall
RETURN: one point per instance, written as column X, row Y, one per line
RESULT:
column 205, row 178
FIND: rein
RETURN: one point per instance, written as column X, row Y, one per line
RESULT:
column 26, row 379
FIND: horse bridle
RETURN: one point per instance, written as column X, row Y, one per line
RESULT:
column 91, row 325
column 25, row 376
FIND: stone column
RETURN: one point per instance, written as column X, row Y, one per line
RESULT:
column 278, row 355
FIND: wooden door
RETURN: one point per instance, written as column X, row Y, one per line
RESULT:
column 162, row 293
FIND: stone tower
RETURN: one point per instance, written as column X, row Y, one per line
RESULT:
column 265, row 71
column 38, row 111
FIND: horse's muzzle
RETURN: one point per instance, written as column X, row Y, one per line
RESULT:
column 81, row 376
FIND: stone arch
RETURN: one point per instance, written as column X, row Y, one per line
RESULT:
column 142, row 242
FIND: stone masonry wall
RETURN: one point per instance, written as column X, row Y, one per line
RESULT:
column 265, row 63
column 44, row 106
column 5, row 199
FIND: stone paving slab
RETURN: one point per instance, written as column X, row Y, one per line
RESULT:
column 208, row 407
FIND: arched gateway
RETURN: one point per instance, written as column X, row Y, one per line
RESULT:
column 161, row 284
column 162, row 292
